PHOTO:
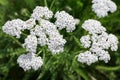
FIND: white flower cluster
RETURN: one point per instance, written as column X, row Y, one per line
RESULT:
column 98, row 41
column 13, row 27
column 29, row 24
column 102, row 7
column 29, row 60
column 42, row 32
column 87, row 57
column 41, row 12
column 30, row 43
column 64, row 20
column 16, row 26
column 85, row 40
column 48, row 35
column 93, row 26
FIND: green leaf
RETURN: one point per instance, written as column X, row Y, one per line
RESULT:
column 82, row 73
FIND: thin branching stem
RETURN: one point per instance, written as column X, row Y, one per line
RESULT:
column 16, row 41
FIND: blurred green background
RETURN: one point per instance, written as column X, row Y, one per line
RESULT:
column 65, row 65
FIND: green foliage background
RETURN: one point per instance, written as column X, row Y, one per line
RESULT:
column 62, row 66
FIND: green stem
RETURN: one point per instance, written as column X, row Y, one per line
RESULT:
column 24, row 34
column 77, row 41
column 74, row 60
column 45, row 2
column 16, row 41
column 44, row 53
column 38, row 53
column 52, row 4
column 105, row 68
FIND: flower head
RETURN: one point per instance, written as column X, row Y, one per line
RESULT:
column 93, row 26
column 87, row 58
column 29, row 61
column 41, row 13
column 98, row 41
column 13, row 27
column 30, row 43
column 29, row 24
column 48, row 35
column 85, row 40
column 102, row 7
column 64, row 20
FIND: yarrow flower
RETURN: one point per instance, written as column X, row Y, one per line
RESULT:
column 41, row 13
column 42, row 37
column 30, row 43
column 29, row 61
column 13, row 27
column 85, row 40
column 29, row 24
column 93, row 26
column 64, row 20
column 56, row 44
column 48, row 35
column 102, row 7
column 98, row 41
column 87, row 57
column 42, row 32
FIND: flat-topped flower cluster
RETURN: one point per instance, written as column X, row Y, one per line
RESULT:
column 42, row 32
column 98, row 41
column 102, row 7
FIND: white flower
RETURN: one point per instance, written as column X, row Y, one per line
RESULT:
column 29, row 24
column 85, row 40
column 24, row 61
column 112, row 6
column 41, row 12
column 93, row 26
column 55, row 40
column 42, row 40
column 99, row 1
column 98, row 41
column 49, row 35
column 36, row 63
column 48, row 27
column 113, row 40
column 101, row 40
column 64, row 20
column 56, row 44
column 40, row 33
column 102, row 7
column 87, row 58
column 77, row 21
column 29, row 61
column 100, row 53
column 30, row 43
column 103, row 55
column 13, row 27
